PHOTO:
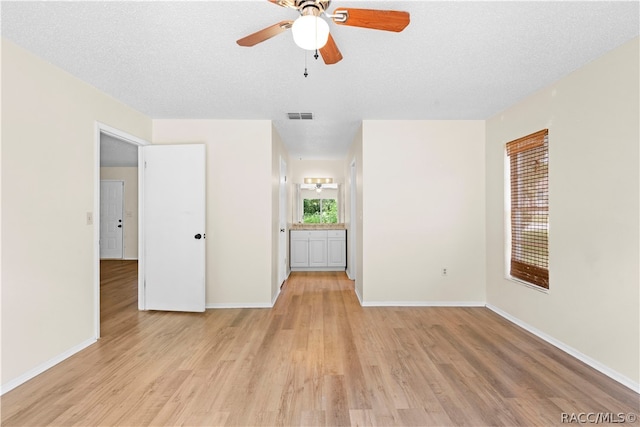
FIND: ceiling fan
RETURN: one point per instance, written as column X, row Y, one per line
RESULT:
column 311, row 31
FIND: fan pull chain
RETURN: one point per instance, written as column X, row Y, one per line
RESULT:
column 305, row 65
column 316, row 55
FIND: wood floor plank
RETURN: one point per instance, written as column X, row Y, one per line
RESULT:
column 360, row 417
column 337, row 411
column 317, row 358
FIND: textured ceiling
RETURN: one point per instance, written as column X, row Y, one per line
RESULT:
column 455, row 60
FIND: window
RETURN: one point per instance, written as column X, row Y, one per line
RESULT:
column 529, row 185
column 318, row 203
column 317, row 211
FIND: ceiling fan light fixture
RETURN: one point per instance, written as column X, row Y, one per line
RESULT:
column 310, row 32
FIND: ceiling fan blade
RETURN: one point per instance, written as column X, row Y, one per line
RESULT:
column 330, row 52
column 265, row 34
column 387, row 20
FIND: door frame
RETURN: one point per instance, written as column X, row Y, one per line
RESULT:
column 282, row 222
column 101, row 128
column 352, row 270
column 121, row 214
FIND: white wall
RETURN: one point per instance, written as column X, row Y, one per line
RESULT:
column 423, row 210
column 239, row 191
column 593, row 302
column 48, row 181
column 130, row 233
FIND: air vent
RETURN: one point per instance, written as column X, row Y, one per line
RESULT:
column 300, row 116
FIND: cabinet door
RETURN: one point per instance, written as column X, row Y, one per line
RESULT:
column 299, row 250
column 318, row 251
column 337, row 252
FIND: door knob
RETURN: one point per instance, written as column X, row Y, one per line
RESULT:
column 198, row 236
column 119, row 225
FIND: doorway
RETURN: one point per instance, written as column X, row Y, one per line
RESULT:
column 353, row 193
column 116, row 160
column 282, row 241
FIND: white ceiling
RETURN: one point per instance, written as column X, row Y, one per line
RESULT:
column 455, row 60
column 117, row 153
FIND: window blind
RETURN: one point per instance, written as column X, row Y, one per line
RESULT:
column 529, row 176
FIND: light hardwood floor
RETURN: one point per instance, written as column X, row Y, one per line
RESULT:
column 317, row 358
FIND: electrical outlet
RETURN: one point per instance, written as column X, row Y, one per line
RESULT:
column 89, row 218
column 444, row 271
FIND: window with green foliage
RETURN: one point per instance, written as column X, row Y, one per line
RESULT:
column 320, row 211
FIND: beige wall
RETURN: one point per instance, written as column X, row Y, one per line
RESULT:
column 239, row 191
column 593, row 302
column 423, row 210
column 130, row 177
column 48, row 181
column 301, row 169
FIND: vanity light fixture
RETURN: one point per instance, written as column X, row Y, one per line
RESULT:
column 318, row 180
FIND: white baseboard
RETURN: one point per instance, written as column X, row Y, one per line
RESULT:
column 422, row 303
column 359, row 297
column 238, row 305
column 349, row 275
column 275, row 297
column 622, row 379
column 44, row 366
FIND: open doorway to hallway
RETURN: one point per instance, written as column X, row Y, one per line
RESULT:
column 116, row 227
column 118, row 198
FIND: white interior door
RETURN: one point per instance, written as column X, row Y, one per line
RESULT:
column 174, row 226
column 111, row 224
column 282, row 243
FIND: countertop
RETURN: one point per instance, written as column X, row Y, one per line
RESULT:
column 316, row 226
